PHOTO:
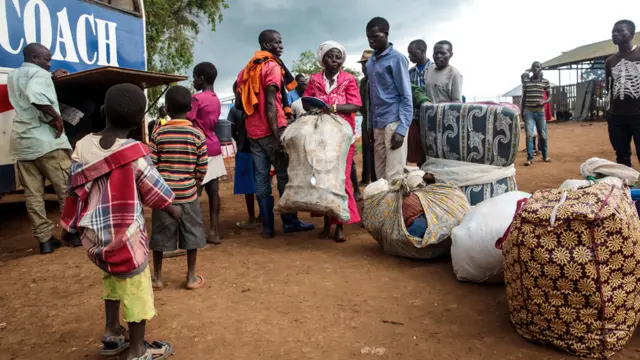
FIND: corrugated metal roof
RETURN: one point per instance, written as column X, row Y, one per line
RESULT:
column 599, row 50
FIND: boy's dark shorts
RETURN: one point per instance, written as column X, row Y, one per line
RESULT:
column 168, row 234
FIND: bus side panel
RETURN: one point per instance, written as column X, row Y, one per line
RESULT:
column 81, row 35
column 7, row 171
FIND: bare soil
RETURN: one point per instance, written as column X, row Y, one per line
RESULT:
column 293, row 297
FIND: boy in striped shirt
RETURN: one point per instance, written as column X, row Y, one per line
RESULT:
column 179, row 151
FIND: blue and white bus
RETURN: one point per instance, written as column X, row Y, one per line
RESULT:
column 100, row 42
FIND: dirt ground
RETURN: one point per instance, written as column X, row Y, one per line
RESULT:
column 293, row 297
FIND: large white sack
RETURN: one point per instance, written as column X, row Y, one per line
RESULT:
column 473, row 252
column 317, row 146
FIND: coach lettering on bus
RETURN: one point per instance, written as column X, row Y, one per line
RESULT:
column 74, row 51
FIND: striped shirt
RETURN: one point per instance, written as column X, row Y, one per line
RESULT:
column 533, row 91
column 179, row 151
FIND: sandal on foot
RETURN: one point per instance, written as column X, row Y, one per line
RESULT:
column 196, row 286
column 157, row 350
column 245, row 225
column 115, row 344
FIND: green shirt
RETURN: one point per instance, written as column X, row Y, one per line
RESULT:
column 32, row 138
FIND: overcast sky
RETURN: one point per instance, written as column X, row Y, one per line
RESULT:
column 494, row 40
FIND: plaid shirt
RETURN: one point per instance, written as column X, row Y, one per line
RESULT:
column 419, row 78
column 105, row 205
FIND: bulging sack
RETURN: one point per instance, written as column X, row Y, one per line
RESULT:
column 318, row 146
column 444, row 206
column 473, row 249
column 571, row 263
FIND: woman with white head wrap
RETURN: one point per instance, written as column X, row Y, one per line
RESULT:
column 339, row 90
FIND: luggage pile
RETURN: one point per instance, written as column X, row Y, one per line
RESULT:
column 473, row 146
column 572, row 267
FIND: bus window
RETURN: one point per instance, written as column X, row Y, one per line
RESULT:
column 128, row 5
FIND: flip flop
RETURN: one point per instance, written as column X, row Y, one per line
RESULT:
column 245, row 225
column 198, row 285
column 114, row 345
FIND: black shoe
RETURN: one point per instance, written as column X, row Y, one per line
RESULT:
column 49, row 246
column 72, row 239
column 75, row 241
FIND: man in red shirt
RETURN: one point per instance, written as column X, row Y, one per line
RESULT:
column 260, row 96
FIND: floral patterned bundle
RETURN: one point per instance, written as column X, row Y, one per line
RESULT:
column 444, row 206
column 572, row 269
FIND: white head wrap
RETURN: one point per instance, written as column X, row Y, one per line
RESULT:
column 328, row 45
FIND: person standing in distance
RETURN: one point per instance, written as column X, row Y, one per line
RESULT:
column 623, row 82
column 533, row 91
column 368, row 161
column 391, row 107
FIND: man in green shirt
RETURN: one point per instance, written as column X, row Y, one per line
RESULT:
column 38, row 143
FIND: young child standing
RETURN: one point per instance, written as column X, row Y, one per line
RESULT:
column 111, row 179
column 179, row 151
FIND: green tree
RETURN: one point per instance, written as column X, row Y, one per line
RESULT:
column 307, row 64
column 172, row 26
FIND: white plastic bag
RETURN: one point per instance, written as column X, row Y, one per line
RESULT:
column 597, row 166
column 473, row 252
column 374, row 188
column 576, row 184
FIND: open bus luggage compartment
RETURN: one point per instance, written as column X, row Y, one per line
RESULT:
column 85, row 90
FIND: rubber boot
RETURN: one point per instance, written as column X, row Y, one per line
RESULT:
column 292, row 224
column 266, row 212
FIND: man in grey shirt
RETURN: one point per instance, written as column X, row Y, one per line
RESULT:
column 444, row 82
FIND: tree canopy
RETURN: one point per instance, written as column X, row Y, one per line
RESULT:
column 171, row 27
column 308, row 65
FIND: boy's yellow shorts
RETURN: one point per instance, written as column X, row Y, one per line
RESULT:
column 135, row 294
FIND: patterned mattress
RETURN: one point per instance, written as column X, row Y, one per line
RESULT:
column 476, row 133
column 478, row 193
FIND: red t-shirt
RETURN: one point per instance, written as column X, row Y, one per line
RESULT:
column 257, row 124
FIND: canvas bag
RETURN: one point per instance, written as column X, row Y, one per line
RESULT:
column 317, row 146
column 444, row 206
column 571, row 262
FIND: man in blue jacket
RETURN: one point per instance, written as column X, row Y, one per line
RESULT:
column 391, row 107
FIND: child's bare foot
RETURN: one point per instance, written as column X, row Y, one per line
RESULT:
column 194, row 282
column 339, row 235
column 213, row 237
column 157, row 283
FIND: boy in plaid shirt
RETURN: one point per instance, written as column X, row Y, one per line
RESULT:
column 111, row 179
